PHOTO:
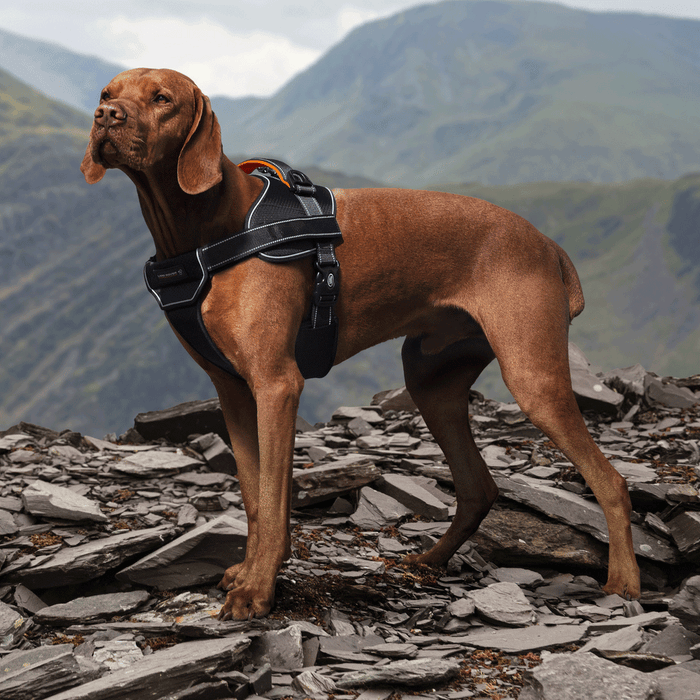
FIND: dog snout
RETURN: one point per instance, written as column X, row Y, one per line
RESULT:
column 107, row 115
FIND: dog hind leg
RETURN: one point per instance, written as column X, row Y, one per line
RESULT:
column 529, row 334
column 439, row 385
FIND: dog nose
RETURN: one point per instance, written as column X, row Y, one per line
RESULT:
column 110, row 114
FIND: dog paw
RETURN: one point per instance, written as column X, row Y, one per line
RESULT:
column 628, row 591
column 242, row 604
column 233, row 576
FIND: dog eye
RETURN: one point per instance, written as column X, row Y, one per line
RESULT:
column 161, row 99
column 104, row 96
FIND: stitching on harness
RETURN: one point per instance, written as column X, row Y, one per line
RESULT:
column 251, row 213
column 265, row 245
column 286, row 221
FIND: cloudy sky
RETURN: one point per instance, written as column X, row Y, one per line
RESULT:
column 231, row 47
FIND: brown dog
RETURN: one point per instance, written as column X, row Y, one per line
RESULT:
column 462, row 279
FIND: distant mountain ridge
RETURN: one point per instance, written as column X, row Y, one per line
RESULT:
column 494, row 91
column 55, row 71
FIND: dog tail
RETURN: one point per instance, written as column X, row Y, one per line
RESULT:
column 572, row 283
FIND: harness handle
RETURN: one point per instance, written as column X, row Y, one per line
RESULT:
column 297, row 181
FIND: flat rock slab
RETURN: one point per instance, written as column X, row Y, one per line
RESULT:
column 331, row 480
column 628, row 638
column 581, row 514
column 411, row 673
column 529, row 539
column 413, row 495
column 576, row 676
column 686, row 604
column 685, row 529
column 154, row 463
column 91, row 608
column 503, row 603
column 281, row 649
column 519, row 641
column 163, row 672
column 47, row 500
column 37, row 673
column 176, row 424
column 677, row 683
column 10, row 620
column 345, row 413
column 376, row 510
column 197, row 557
column 90, row 560
column 8, row 526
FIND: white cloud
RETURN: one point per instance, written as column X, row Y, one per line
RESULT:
column 350, row 17
column 221, row 62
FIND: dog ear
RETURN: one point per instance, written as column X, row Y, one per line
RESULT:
column 199, row 164
column 93, row 171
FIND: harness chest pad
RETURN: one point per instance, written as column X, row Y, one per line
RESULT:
column 291, row 219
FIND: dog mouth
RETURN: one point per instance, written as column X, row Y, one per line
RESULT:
column 110, row 153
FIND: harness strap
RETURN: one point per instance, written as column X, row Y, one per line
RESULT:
column 178, row 283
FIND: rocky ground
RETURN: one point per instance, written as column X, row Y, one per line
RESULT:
column 110, row 551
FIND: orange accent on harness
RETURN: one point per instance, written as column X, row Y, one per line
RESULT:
column 247, row 166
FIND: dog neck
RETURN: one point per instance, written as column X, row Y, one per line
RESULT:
column 180, row 222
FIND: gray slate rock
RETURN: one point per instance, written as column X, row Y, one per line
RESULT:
column 47, row 500
column 163, row 672
column 669, row 395
column 577, row 676
column 580, row 513
column 628, row 638
column 328, row 481
column 526, row 538
column 197, row 557
column 409, row 491
column 685, row 529
column 376, row 510
column 90, row 560
column 394, row 400
column 627, row 380
column 347, row 413
column 411, row 673
column 677, row 683
column 590, row 391
column 91, row 608
column 504, row 603
column 281, row 649
column 519, row 641
column 686, row 604
column 674, row 641
column 44, row 671
column 10, row 620
column 155, row 463
column 176, row 424
column 8, row 526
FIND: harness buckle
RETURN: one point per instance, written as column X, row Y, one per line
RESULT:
column 326, row 285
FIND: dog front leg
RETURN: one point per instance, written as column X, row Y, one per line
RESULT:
column 240, row 414
column 251, row 594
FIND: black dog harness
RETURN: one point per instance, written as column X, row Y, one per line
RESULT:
column 291, row 219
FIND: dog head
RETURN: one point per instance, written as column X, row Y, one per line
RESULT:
column 153, row 119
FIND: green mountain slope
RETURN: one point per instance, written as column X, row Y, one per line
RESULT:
column 55, row 71
column 497, row 92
